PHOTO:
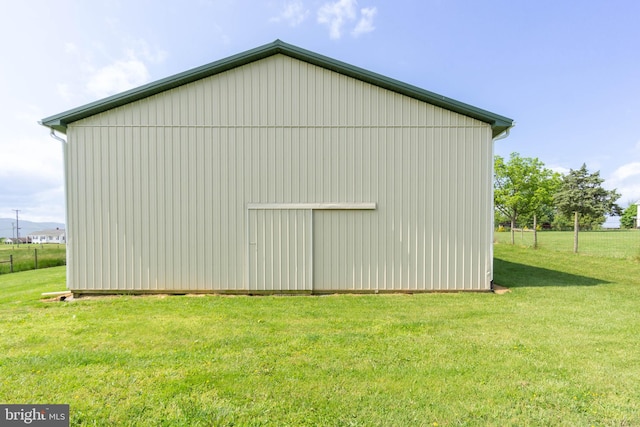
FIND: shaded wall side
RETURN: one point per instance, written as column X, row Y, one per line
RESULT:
column 159, row 188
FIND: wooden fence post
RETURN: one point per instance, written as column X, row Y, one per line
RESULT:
column 35, row 255
column 11, row 263
column 576, row 228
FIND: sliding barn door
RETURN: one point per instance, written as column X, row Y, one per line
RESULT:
column 280, row 245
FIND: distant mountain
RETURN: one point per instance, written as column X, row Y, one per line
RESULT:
column 26, row 227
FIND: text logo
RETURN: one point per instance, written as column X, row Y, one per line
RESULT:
column 34, row 415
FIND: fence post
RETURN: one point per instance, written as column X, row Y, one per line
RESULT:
column 35, row 254
column 11, row 263
column 576, row 228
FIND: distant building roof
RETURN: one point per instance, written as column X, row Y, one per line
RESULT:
column 17, row 240
column 53, row 232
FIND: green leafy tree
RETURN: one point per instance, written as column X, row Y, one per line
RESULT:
column 562, row 223
column 524, row 188
column 581, row 195
column 629, row 216
column 547, row 217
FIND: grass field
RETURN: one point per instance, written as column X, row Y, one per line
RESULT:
column 24, row 256
column 607, row 243
column 560, row 349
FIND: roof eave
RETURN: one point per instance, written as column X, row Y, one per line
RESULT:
column 500, row 126
column 54, row 124
column 59, row 121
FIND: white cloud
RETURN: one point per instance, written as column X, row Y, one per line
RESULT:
column 626, row 171
column 27, row 115
column 31, row 177
column 294, row 13
column 118, row 77
column 560, row 169
column 140, row 48
column 630, row 192
column 64, row 90
column 70, row 48
column 626, row 180
column 126, row 73
column 336, row 14
column 33, row 158
column 365, row 24
column 339, row 13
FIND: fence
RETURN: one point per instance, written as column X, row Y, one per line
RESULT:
column 27, row 257
column 606, row 243
column 10, row 262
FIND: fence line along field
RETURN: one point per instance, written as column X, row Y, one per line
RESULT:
column 606, row 243
column 30, row 257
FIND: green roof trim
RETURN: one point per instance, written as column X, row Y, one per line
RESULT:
column 59, row 122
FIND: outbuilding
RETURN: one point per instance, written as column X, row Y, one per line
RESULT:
column 278, row 170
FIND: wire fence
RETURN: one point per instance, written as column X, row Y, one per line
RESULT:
column 8, row 261
column 606, row 243
column 30, row 257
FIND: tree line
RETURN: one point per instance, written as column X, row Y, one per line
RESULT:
column 526, row 192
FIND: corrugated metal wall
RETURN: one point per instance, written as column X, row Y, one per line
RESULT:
column 158, row 190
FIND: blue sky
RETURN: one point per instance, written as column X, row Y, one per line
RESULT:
column 567, row 72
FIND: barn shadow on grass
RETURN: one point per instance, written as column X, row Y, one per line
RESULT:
column 513, row 275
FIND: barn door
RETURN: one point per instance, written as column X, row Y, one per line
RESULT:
column 280, row 245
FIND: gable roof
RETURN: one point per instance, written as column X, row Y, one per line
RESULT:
column 54, row 233
column 60, row 121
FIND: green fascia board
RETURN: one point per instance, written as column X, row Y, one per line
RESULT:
column 59, row 122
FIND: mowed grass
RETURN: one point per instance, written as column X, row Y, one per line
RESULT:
column 561, row 348
column 601, row 243
column 24, row 256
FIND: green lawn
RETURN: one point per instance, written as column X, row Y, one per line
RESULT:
column 560, row 349
column 603, row 243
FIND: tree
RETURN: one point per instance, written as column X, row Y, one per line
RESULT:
column 523, row 187
column 629, row 216
column 582, row 194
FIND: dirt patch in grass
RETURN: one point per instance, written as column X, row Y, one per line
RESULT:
column 500, row 289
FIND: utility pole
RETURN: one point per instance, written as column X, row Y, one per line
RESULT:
column 17, row 226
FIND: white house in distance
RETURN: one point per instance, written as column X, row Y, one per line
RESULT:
column 48, row 236
column 278, row 170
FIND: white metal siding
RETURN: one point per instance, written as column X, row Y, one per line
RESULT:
column 159, row 188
